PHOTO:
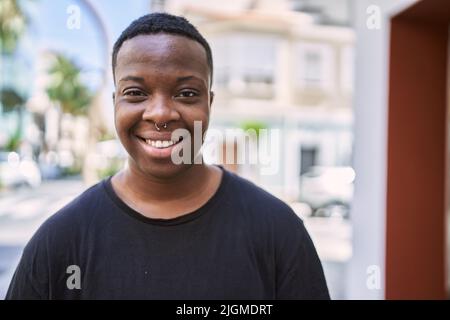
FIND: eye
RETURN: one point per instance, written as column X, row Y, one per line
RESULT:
column 187, row 94
column 133, row 93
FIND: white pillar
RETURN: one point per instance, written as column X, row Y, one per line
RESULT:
column 370, row 146
column 283, row 80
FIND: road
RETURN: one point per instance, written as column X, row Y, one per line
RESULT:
column 23, row 211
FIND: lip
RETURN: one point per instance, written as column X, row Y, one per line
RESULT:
column 153, row 152
column 155, row 135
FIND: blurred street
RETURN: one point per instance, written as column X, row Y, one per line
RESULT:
column 21, row 213
column 24, row 210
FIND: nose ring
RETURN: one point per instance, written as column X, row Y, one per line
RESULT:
column 158, row 128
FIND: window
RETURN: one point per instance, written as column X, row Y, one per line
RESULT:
column 312, row 72
column 245, row 62
column 258, row 63
column 308, row 158
column 315, row 67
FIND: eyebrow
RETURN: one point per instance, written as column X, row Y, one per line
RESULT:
column 132, row 78
column 142, row 80
column 181, row 79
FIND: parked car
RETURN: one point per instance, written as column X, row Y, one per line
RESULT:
column 328, row 190
column 16, row 171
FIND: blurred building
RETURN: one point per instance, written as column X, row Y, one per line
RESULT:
column 335, row 12
column 285, row 69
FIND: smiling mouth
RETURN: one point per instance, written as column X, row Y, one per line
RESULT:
column 161, row 144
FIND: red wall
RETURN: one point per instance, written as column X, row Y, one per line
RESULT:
column 416, row 235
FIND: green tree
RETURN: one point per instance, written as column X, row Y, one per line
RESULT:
column 13, row 23
column 254, row 125
column 66, row 88
column 12, row 101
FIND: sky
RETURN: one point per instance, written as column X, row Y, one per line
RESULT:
column 84, row 45
column 51, row 23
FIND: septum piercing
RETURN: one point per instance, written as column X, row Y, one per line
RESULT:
column 158, row 128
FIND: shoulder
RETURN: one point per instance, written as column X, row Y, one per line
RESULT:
column 82, row 208
column 259, row 205
column 72, row 218
column 54, row 246
column 270, row 222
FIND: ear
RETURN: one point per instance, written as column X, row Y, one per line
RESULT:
column 211, row 98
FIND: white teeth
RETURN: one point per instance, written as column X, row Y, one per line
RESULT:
column 160, row 144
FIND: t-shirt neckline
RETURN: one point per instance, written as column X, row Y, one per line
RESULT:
column 172, row 221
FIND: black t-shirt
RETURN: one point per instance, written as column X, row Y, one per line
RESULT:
column 242, row 244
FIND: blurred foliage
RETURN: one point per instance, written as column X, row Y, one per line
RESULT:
column 255, row 125
column 106, row 136
column 114, row 166
column 13, row 22
column 72, row 171
column 13, row 142
column 66, row 87
column 11, row 99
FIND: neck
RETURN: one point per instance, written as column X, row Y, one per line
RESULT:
column 155, row 189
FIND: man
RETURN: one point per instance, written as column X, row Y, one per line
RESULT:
column 160, row 230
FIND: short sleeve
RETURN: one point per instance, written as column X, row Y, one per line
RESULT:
column 299, row 272
column 30, row 280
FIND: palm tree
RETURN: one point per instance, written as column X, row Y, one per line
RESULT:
column 66, row 88
column 13, row 23
column 12, row 101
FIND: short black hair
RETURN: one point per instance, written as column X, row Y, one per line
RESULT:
column 159, row 22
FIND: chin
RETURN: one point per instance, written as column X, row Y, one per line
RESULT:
column 160, row 170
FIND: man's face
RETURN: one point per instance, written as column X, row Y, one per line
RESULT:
column 160, row 78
